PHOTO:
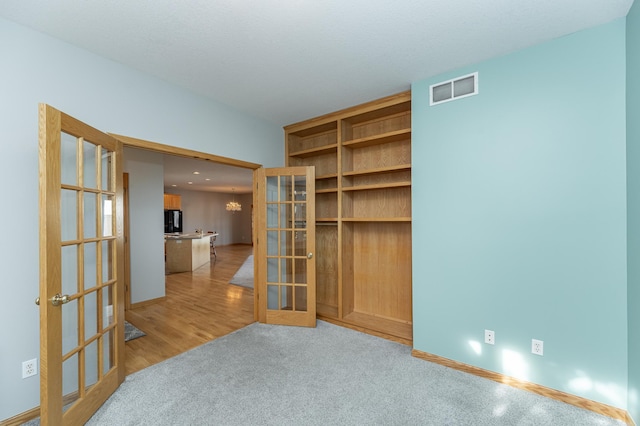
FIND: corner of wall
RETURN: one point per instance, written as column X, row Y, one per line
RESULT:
column 633, row 206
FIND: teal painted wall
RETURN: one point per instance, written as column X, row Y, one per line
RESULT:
column 519, row 216
column 633, row 206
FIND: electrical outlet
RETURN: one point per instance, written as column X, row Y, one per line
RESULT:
column 29, row 368
column 489, row 337
column 537, row 347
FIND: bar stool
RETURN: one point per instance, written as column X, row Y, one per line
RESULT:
column 212, row 243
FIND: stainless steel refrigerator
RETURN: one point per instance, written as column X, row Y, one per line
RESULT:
column 172, row 221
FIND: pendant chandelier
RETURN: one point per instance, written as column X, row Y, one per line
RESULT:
column 233, row 206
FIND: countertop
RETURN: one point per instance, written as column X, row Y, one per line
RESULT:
column 187, row 236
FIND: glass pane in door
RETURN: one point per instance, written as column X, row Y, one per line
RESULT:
column 70, row 338
column 285, row 243
column 108, row 355
column 301, row 298
column 90, row 262
column 90, row 219
column 69, row 265
column 68, row 214
column 68, row 159
column 107, row 215
column 272, row 188
column 106, row 168
column 91, row 364
column 70, row 375
column 89, row 170
column 90, row 315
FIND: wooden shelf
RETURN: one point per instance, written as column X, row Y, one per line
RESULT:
column 378, row 170
column 326, row 191
column 376, row 186
column 327, row 176
column 304, row 130
column 388, row 137
column 327, row 149
column 376, row 219
column 326, row 220
column 381, row 109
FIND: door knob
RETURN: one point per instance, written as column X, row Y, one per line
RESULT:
column 59, row 300
column 310, row 255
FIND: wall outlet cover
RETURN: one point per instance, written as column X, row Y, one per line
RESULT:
column 29, row 368
column 489, row 337
column 537, row 347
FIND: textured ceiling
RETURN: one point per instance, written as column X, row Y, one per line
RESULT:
column 289, row 60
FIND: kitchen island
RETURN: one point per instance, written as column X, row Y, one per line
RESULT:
column 187, row 252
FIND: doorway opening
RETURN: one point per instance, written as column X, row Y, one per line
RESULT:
column 200, row 305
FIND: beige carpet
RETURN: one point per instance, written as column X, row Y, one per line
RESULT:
column 274, row 375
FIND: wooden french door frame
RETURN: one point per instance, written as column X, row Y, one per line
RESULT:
column 52, row 400
column 81, row 253
column 285, row 266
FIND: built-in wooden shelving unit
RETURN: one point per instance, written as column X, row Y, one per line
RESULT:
column 362, row 157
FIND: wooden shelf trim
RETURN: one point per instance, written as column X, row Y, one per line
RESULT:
column 326, row 220
column 326, row 149
column 357, row 110
column 378, row 170
column 376, row 219
column 326, row 191
column 398, row 135
column 327, row 176
column 314, row 126
column 376, row 186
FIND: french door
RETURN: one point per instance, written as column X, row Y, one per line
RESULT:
column 81, row 257
column 285, row 245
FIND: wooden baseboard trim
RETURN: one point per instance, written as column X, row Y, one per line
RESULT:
column 34, row 413
column 21, row 418
column 148, row 302
column 391, row 337
column 587, row 404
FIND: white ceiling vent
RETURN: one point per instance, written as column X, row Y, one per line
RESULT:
column 453, row 89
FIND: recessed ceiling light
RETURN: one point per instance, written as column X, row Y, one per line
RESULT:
column 174, row 185
column 207, row 179
column 196, row 173
column 190, row 183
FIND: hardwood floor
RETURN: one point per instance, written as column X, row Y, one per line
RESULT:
column 199, row 306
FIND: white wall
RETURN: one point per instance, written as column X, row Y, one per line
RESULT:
column 36, row 68
column 207, row 211
column 146, row 240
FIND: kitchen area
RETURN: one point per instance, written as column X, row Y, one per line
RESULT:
column 184, row 251
column 188, row 251
column 203, row 206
